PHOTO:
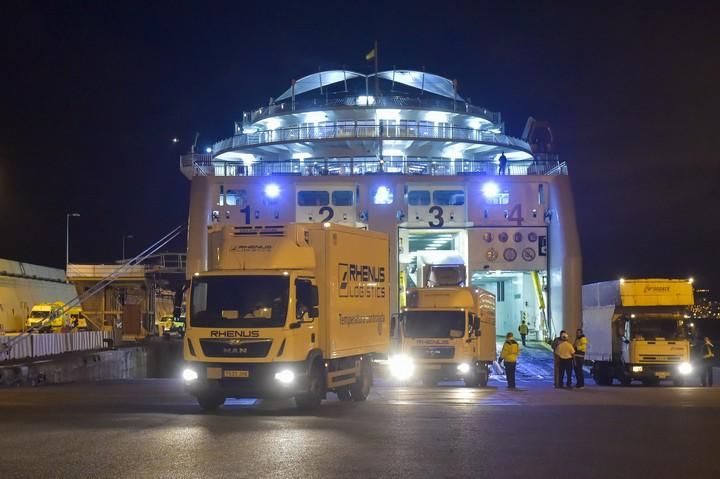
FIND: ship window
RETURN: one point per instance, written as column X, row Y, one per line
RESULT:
column 313, row 198
column 449, row 197
column 342, row 198
column 236, row 198
column 418, row 198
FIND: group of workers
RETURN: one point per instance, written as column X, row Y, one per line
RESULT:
column 568, row 357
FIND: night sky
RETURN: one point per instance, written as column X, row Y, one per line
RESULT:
column 93, row 92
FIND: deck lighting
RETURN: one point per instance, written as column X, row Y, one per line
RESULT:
column 363, row 100
column 272, row 190
column 383, row 196
column 490, row 190
column 208, row 150
column 436, row 117
column 189, row 375
column 393, row 152
column 175, row 140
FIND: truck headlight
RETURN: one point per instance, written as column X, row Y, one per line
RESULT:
column 637, row 369
column 463, row 368
column 285, row 376
column 189, row 375
column 401, row 366
column 685, row 368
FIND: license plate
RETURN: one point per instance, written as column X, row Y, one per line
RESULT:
column 235, row 373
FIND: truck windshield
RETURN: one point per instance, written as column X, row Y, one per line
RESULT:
column 39, row 314
column 656, row 329
column 239, row 301
column 434, row 324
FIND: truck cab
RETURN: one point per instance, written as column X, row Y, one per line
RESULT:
column 446, row 333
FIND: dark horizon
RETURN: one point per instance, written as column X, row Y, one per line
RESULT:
column 95, row 93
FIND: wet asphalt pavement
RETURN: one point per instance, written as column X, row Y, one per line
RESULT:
column 151, row 428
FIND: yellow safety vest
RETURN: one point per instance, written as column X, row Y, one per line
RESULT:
column 510, row 351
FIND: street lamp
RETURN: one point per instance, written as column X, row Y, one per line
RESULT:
column 124, row 238
column 67, row 238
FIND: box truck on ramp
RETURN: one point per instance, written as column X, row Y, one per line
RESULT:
column 287, row 311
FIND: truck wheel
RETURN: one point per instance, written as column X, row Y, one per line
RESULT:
column 471, row 380
column 210, row 402
column 343, row 393
column 360, row 389
column 316, row 388
column 602, row 377
column 483, row 378
column 625, row 380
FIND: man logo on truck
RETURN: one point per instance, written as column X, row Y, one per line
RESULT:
column 360, row 281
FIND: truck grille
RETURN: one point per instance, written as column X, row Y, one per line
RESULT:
column 433, row 352
column 659, row 358
column 235, row 348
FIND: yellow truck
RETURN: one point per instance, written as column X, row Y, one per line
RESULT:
column 446, row 333
column 49, row 317
column 637, row 330
column 287, row 311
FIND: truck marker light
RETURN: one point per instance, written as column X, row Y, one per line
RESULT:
column 189, row 375
column 401, row 366
column 463, row 368
column 685, row 368
column 285, row 376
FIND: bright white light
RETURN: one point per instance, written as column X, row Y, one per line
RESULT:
column 175, row 140
column 285, row 376
column 383, row 196
column 463, row 368
column 691, row 280
column 393, row 152
column 272, row 123
column 401, row 366
column 622, row 280
column 272, row 190
column 189, row 375
column 637, row 369
column 490, row 190
column 387, row 114
column 208, row 150
column 436, row 117
column 315, row 116
column 475, row 123
column 327, row 224
column 365, row 100
column 685, row 368
column 301, row 156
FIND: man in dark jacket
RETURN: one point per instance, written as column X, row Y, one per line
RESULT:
column 708, row 355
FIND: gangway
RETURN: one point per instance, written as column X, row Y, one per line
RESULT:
column 100, row 286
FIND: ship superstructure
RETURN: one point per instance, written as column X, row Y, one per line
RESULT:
column 402, row 152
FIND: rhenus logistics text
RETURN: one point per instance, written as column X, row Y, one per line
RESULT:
column 361, row 281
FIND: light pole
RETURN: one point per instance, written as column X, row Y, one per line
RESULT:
column 67, row 238
column 124, row 238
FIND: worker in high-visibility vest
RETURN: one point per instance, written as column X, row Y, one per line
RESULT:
column 708, row 352
column 509, row 355
column 581, row 342
column 523, row 330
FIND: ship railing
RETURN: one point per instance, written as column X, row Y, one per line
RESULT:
column 402, row 131
column 361, row 101
column 371, row 166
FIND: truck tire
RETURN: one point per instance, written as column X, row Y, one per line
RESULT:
column 360, row 389
column 479, row 378
column 210, row 402
column 312, row 398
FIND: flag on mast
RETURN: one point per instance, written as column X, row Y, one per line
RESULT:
column 371, row 54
